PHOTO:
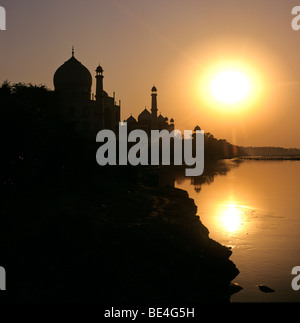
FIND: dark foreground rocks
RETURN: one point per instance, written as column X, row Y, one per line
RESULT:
column 113, row 243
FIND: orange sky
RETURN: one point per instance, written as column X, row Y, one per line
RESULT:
column 169, row 43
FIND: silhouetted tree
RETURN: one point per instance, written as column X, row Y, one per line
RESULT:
column 37, row 143
column 220, row 148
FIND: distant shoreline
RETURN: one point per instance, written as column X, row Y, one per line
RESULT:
column 268, row 158
column 271, row 152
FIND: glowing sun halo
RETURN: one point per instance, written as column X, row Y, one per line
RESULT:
column 230, row 86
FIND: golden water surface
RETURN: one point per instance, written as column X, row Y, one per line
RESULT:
column 254, row 209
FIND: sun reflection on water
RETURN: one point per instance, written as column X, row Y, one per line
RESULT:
column 232, row 217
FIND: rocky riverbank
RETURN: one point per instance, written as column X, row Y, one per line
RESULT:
column 115, row 242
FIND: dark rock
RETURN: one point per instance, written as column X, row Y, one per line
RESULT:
column 234, row 288
column 265, row 289
column 146, row 246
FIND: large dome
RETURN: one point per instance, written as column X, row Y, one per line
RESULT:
column 72, row 75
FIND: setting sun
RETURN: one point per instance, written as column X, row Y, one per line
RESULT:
column 230, row 86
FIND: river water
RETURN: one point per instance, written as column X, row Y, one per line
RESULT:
column 253, row 207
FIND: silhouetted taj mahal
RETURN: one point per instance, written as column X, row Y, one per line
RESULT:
column 91, row 113
column 73, row 82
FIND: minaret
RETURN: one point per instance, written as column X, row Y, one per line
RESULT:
column 154, row 102
column 99, row 97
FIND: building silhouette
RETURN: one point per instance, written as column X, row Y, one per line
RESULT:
column 89, row 114
column 148, row 121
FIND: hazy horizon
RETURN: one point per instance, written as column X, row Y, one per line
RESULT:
column 172, row 44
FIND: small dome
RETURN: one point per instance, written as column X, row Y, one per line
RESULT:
column 72, row 75
column 144, row 116
column 131, row 119
column 154, row 89
column 99, row 70
column 197, row 128
column 172, row 120
column 161, row 119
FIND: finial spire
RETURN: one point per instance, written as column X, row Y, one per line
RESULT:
column 73, row 51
